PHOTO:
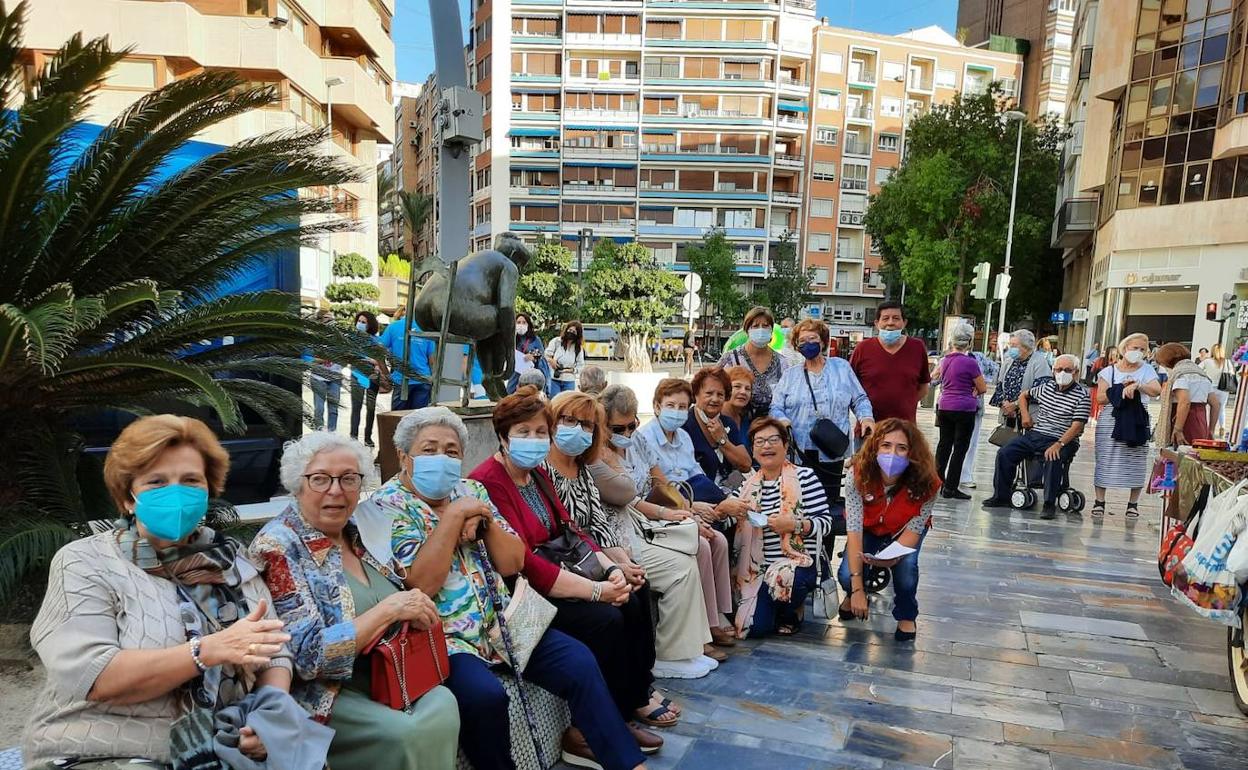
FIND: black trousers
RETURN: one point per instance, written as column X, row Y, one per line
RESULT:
column 955, row 438
column 358, row 394
column 829, row 475
column 622, row 641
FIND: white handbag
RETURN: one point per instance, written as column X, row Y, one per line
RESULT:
column 678, row 536
column 828, row 592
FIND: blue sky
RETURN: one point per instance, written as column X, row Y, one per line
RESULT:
column 414, row 44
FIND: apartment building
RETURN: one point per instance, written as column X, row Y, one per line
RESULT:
column 866, row 89
column 1165, row 144
column 651, row 121
column 326, row 57
column 414, row 161
column 1048, row 53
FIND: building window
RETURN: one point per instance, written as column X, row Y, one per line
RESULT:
column 826, row 136
column 257, row 8
column 853, row 176
column 889, row 142
column 133, row 73
column 890, row 106
column 1058, row 40
column 821, row 274
column 821, row 207
column 663, row 67
column 946, row 79
column 820, row 242
column 823, row 171
column 883, row 174
column 1060, row 73
column 829, row 101
column 831, row 63
column 894, row 70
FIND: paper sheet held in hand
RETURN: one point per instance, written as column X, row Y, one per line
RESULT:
column 894, row 550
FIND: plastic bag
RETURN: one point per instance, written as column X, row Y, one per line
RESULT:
column 1205, row 583
column 1237, row 559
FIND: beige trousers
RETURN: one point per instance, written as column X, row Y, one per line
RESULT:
column 674, row 577
column 716, row 579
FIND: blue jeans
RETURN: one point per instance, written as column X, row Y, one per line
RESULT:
column 1023, row 447
column 325, row 395
column 769, row 614
column 559, row 664
column 905, row 575
column 555, row 387
column 417, row 396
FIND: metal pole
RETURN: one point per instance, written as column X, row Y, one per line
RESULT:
column 1009, row 236
column 987, row 325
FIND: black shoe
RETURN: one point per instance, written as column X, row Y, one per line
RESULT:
column 905, row 636
column 1048, row 512
column 954, row 494
column 993, row 502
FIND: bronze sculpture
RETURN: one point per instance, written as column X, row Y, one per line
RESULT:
column 482, row 306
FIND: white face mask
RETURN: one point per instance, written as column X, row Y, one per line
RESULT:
column 522, row 329
column 1063, row 378
column 1134, row 356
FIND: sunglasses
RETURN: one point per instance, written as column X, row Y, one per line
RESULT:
column 1065, row 370
column 622, row 429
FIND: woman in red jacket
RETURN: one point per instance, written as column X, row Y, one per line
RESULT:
column 608, row 615
column 890, row 498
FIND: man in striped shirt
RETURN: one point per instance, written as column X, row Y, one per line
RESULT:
column 1064, row 406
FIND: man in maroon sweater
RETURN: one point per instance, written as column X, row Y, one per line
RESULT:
column 892, row 367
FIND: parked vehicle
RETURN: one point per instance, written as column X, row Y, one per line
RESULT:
column 602, row 342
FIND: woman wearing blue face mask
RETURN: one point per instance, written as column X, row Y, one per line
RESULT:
column 1020, row 370
column 162, row 607
column 596, row 604
column 364, row 388
column 436, row 522
column 765, row 363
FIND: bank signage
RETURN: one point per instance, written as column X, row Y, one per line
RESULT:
column 1144, row 279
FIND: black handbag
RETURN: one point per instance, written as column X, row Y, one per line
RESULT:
column 825, row 434
column 569, row 550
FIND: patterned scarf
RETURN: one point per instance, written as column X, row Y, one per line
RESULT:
column 748, row 575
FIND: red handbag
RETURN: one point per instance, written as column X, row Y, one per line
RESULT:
column 1179, row 541
column 406, row 664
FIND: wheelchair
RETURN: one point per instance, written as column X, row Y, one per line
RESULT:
column 1023, row 496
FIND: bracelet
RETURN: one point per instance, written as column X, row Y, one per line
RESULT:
column 199, row 664
column 595, row 593
column 614, row 568
column 855, row 574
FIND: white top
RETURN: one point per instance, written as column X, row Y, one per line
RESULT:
column 1214, row 371
column 1198, row 388
column 1111, row 375
column 568, row 363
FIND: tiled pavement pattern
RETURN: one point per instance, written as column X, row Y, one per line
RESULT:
column 1042, row 646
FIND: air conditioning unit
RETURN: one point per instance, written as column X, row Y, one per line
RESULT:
column 858, row 316
column 280, row 19
column 732, row 76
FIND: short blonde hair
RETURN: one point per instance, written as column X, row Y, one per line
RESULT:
column 147, row 438
column 1130, row 337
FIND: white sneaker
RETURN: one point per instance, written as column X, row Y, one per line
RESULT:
column 706, row 660
column 690, row 668
column 969, row 485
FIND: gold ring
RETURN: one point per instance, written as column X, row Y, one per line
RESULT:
column 251, row 649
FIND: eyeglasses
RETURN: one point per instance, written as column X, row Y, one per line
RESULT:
column 571, row 422
column 621, row 429
column 1064, row 369
column 347, row 482
column 768, row 441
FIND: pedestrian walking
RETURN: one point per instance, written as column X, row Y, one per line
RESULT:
column 364, row 387
column 961, row 385
column 325, row 381
column 689, row 347
column 1222, row 373
column 1121, row 464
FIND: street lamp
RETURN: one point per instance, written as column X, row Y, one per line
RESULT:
column 1021, row 117
column 586, row 244
column 329, row 105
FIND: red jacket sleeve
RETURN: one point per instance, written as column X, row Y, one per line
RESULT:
column 540, row 572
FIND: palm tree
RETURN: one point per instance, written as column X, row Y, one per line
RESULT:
column 113, row 272
column 415, row 209
column 387, row 202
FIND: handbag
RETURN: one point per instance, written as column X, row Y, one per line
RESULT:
column 1002, row 435
column 527, row 615
column 569, row 550
column 1178, row 541
column 406, row 664
column 828, row 591
column 1224, row 382
column 678, row 536
column 670, row 494
column 825, row 434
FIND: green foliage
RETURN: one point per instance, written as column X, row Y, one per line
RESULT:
column 786, row 289
column 626, row 288
column 415, row 210
column 352, row 265
column 394, row 266
column 947, row 208
column 112, row 277
column 548, row 289
column 715, row 260
column 345, row 312
column 345, row 291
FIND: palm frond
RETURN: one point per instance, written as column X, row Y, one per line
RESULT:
column 11, row 25
column 28, row 541
column 44, row 332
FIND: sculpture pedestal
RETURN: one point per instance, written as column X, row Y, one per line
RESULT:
column 481, row 439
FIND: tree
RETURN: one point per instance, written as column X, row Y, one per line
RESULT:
column 548, row 290
column 349, row 297
column 414, row 209
column 715, row 259
column 626, row 288
column 948, row 207
column 786, row 289
column 387, row 202
column 114, row 271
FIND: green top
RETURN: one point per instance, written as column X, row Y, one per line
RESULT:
column 367, row 595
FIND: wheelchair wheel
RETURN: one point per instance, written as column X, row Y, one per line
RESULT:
column 1066, row 500
column 1023, row 498
column 1078, row 502
column 876, row 579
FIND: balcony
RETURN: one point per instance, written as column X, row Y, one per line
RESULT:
column 780, row 230
column 853, row 184
column 794, row 83
column 533, row 189
column 806, row 5
column 360, row 98
column 852, row 218
column 849, row 253
column 922, row 83
column 1076, row 220
column 790, row 161
column 784, row 196
column 623, row 153
column 857, row 147
column 602, row 40
column 848, row 286
column 599, row 190
column 860, row 112
column 794, row 119
column 1074, row 143
column 862, row 75
column 613, row 116
column 359, row 19
column 1085, row 62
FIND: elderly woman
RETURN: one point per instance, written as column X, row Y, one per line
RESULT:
column 710, row 430
column 889, row 498
column 693, row 590
column 961, row 385
column 758, row 356
column 592, row 381
column 1120, row 465
column 1021, row 368
column 821, row 387
column 159, row 613
column 438, row 523
column 337, row 597
column 777, row 562
column 596, row 604
column 736, row 408
column 1190, row 396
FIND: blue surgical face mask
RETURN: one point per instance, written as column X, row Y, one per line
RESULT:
column 673, row 419
column 890, row 336
column 361, row 326
column 760, row 337
column 171, row 512
column 621, row 441
column 528, row 452
column 810, row 350
column 892, row 465
column 572, row 440
column 1013, row 351
column 434, row 476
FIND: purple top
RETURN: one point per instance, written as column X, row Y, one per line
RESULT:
column 957, row 383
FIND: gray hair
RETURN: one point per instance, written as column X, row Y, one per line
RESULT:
column 1025, row 339
column 409, row 428
column 593, row 379
column 533, row 376
column 1073, row 360
column 298, row 453
column 618, row 399
column 962, row 336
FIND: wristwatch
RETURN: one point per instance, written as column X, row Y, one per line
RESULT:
column 722, row 440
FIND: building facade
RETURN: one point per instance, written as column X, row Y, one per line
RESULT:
column 413, row 163
column 326, row 57
column 1165, row 145
column 865, row 90
column 1050, row 55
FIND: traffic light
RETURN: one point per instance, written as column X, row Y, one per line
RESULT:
column 1211, row 311
column 1003, row 287
column 1230, row 304
column 982, row 271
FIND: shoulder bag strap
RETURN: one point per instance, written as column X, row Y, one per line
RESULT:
column 814, row 402
column 549, row 496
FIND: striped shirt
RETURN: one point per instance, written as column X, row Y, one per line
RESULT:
column 814, row 507
column 1059, row 408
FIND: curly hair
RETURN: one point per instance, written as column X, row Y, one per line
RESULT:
column 710, row 373
column 919, row 477
column 517, row 408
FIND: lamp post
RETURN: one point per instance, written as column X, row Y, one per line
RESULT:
column 1021, row 117
column 586, row 244
column 329, row 107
